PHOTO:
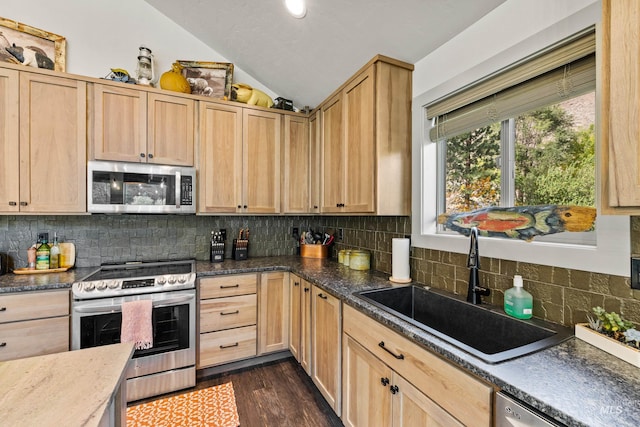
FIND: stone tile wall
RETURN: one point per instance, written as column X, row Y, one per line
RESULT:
column 560, row 295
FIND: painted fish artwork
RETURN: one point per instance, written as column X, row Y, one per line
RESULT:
column 521, row 222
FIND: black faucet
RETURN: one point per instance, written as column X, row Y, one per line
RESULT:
column 473, row 262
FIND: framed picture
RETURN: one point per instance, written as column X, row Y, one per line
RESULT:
column 209, row 78
column 23, row 44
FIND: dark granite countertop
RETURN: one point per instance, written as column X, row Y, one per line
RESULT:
column 573, row 382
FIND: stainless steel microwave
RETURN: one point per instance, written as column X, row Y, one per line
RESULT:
column 119, row 187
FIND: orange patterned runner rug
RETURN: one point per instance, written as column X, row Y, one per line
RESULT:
column 213, row 406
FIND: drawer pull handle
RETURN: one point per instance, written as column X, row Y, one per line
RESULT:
column 3, row 308
column 397, row 356
column 230, row 286
column 306, row 289
column 296, row 283
column 322, row 296
column 384, row 381
column 394, row 389
column 231, row 312
column 229, row 346
column 3, row 344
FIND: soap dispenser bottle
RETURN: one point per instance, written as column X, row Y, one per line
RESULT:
column 518, row 302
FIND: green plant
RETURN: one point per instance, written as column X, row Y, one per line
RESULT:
column 611, row 323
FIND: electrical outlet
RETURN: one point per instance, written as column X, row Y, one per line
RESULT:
column 223, row 233
column 295, row 233
column 340, row 235
column 635, row 273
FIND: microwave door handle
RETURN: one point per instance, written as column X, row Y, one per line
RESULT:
column 178, row 189
column 116, row 308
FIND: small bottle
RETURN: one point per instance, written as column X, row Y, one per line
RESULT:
column 42, row 255
column 518, row 302
column 54, row 254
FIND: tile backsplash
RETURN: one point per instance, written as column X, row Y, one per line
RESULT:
column 560, row 295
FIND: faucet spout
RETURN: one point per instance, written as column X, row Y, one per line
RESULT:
column 475, row 291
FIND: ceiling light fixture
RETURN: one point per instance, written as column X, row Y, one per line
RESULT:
column 296, row 8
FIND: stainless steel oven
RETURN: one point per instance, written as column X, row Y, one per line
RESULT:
column 169, row 364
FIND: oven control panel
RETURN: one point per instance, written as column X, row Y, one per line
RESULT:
column 120, row 287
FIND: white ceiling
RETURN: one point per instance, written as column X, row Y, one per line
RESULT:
column 306, row 59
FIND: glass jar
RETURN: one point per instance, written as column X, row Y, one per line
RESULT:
column 360, row 260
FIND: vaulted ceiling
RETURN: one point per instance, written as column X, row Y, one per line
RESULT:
column 306, row 59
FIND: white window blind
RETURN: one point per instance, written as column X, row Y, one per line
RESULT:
column 561, row 72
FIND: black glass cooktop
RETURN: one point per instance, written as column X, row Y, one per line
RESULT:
column 134, row 270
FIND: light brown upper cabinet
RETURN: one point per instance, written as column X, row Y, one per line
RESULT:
column 315, row 143
column 366, row 142
column 620, row 108
column 239, row 160
column 135, row 125
column 296, row 182
column 42, row 143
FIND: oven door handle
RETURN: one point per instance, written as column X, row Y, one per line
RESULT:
column 115, row 308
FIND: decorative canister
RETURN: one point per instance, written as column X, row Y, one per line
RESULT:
column 360, row 260
column 341, row 256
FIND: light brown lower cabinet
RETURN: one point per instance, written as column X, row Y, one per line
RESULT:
column 300, row 321
column 273, row 309
column 228, row 318
column 34, row 324
column 326, row 339
column 387, row 376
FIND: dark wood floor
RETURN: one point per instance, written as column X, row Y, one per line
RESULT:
column 278, row 394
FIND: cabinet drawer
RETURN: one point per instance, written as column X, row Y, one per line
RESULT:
column 33, row 305
column 34, row 338
column 226, row 286
column 466, row 398
column 225, row 346
column 217, row 314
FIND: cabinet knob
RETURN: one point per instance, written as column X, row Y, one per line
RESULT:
column 245, row 206
column 23, row 203
column 394, row 389
column 239, row 206
column 150, row 156
column 322, row 296
column 306, row 289
column 384, row 381
column 315, row 206
column 142, row 155
column 13, row 204
column 3, row 344
column 296, row 283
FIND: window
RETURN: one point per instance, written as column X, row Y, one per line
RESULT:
column 524, row 135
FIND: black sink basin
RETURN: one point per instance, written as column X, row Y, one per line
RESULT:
column 484, row 332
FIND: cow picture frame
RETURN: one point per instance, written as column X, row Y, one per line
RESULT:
column 38, row 48
column 212, row 79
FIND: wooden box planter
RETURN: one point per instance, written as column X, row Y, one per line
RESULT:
column 611, row 346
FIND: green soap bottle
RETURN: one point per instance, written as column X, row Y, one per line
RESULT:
column 518, row 302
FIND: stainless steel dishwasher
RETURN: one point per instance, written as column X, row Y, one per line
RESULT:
column 512, row 413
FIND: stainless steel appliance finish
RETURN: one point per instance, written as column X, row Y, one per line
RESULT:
column 511, row 413
column 97, row 316
column 120, row 187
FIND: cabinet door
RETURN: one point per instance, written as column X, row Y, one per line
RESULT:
column 315, row 139
column 333, row 161
column 273, row 307
column 619, row 106
column 305, row 328
column 359, row 144
column 366, row 386
column 220, row 158
column 295, row 289
column 53, row 144
column 119, row 123
column 34, row 337
column 9, row 137
column 297, row 165
column 170, row 130
column 326, row 343
column 261, row 161
column 413, row 408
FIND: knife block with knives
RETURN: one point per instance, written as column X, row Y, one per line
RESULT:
column 241, row 245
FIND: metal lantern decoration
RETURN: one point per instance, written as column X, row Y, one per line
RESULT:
column 145, row 72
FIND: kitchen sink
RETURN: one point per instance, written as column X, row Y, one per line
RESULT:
column 481, row 330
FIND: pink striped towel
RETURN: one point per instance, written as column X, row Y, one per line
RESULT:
column 136, row 324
